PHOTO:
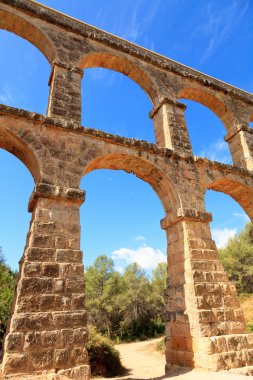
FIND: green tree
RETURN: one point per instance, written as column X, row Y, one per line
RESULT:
column 125, row 306
column 237, row 258
column 137, row 301
column 7, row 286
column 158, row 284
column 103, row 288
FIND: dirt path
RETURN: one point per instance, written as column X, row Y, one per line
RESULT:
column 144, row 362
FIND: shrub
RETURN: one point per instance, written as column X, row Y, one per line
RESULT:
column 160, row 346
column 250, row 327
column 104, row 358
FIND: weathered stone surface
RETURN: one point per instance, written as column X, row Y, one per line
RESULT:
column 204, row 323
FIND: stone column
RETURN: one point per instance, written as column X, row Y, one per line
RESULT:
column 241, row 146
column 47, row 332
column 170, row 127
column 65, row 92
column 205, row 326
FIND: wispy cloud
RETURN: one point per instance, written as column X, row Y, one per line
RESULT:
column 242, row 216
column 139, row 238
column 217, row 151
column 218, row 23
column 145, row 257
column 132, row 24
column 221, row 236
column 6, row 96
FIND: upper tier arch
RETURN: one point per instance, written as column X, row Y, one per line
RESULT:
column 25, row 29
column 124, row 66
column 212, row 102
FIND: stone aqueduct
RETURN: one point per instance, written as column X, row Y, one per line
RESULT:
column 204, row 323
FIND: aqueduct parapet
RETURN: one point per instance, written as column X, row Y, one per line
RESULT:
column 204, row 323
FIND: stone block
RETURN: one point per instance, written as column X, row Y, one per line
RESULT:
column 69, row 319
column 71, row 270
column 41, row 254
column 75, row 286
column 80, row 336
column 63, row 303
column 78, row 356
column 15, row 363
column 68, row 256
column 32, row 341
column 78, row 302
column 50, row 270
column 50, row 339
column 41, row 360
column 31, row 322
column 14, row 342
column 61, row 358
column 67, row 337
column 32, row 269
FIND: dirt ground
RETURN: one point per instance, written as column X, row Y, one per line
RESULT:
column 144, row 362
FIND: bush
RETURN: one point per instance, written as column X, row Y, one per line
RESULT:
column 160, row 346
column 103, row 357
column 7, row 286
column 250, row 327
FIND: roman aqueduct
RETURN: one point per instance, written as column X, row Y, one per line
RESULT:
column 204, row 323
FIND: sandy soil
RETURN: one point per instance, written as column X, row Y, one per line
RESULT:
column 144, row 362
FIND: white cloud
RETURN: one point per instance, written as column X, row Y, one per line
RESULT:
column 221, row 236
column 145, row 257
column 119, row 269
column 242, row 215
column 139, row 238
column 217, row 151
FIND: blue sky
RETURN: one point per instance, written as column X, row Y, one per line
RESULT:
column 121, row 215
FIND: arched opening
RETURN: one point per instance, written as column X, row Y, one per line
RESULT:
column 121, row 219
column 206, row 132
column 16, row 187
column 12, row 144
column 212, row 102
column 114, row 103
column 21, row 27
column 24, row 74
column 231, row 230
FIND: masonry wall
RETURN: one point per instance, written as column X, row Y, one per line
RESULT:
column 204, row 323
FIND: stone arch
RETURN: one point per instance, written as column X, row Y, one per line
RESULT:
column 124, row 66
column 15, row 145
column 21, row 27
column 144, row 170
column 212, row 102
column 240, row 192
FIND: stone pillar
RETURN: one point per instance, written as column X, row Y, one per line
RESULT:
column 205, row 326
column 170, row 127
column 65, row 93
column 47, row 333
column 241, row 146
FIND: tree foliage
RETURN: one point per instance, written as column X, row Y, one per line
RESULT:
column 237, row 258
column 125, row 306
column 7, row 286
